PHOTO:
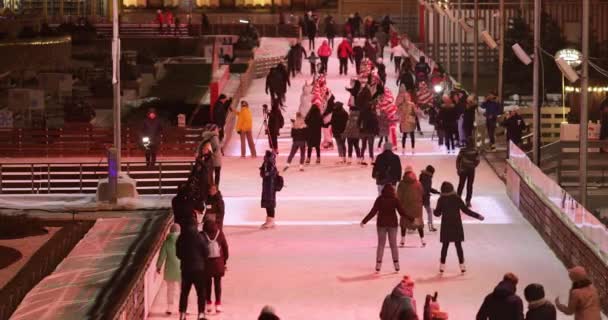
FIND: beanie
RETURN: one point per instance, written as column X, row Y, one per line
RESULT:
column 534, row 292
column 577, row 273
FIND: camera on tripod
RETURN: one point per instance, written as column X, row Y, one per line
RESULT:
column 146, row 142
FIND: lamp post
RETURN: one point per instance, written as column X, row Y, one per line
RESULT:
column 116, row 88
column 501, row 51
column 574, row 58
column 459, row 36
column 536, row 90
column 584, row 104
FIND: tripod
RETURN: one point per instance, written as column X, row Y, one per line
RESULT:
column 264, row 126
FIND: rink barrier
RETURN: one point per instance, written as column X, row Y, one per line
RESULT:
column 575, row 235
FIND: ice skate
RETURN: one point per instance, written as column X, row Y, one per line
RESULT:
column 402, row 244
column 168, row 312
column 432, row 228
column 301, row 168
column 286, row 167
column 378, row 266
column 269, row 223
column 201, row 316
column 442, row 268
column 209, row 307
column 463, row 268
column 218, row 307
column 422, row 243
column 468, row 204
column 396, row 265
column 182, row 316
column 318, row 161
column 307, row 161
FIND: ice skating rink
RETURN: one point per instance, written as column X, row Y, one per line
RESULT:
column 319, row 264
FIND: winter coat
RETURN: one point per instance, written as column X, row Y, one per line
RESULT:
column 448, row 118
column 448, row 208
column 387, row 168
column 268, row 173
column 515, row 125
column 502, row 304
column 215, row 209
column 330, row 27
column 244, row 122
column 192, row 251
column 295, row 54
column 541, row 310
column 220, row 112
column 407, row 116
column 339, row 119
column 370, row 51
column 168, row 257
column 394, row 304
column 381, row 71
column 345, row 50
column 493, row 109
column 426, row 180
column 216, row 267
column 314, row 123
column 352, row 125
column 383, row 124
column 324, row 50
column 583, row 303
column 409, row 193
column 407, row 79
column 305, row 100
column 152, row 129
column 358, row 53
column 199, row 181
column 214, row 139
column 275, row 122
column 422, row 71
column 468, row 159
column 386, row 206
column 311, row 28
column 382, row 38
column 183, row 207
column 277, row 80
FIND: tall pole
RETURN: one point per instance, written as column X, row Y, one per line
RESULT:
column 436, row 36
column 116, row 81
column 536, row 89
column 501, row 50
column 476, row 49
column 459, row 36
column 584, row 106
column 448, row 24
column 427, row 35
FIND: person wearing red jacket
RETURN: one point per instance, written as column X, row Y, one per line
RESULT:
column 160, row 19
column 345, row 53
column 324, row 52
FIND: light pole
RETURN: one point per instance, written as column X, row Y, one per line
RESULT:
column 116, row 81
column 501, row 52
column 476, row 49
column 584, row 104
column 459, row 36
column 536, row 141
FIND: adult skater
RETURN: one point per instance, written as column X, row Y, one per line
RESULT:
column 426, row 179
column 211, row 135
column 422, row 70
column 449, row 206
column 358, row 55
column 371, row 51
column 467, row 161
column 269, row 174
column 244, row 127
column 339, row 119
column 410, row 193
column 448, row 120
column 311, row 30
column 399, row 54
column 407, row 117
column 215, row 265
column 298, row 136
column 503, row 303
column 294, row 58
column 305, row 99
column 381, row 70
column 386, row 207
column 387, row 169
column 352, row 134
column 330, row 29
column 324, row 52
column 345, row 53
column 275, row 123
column 515, row 126
column 192, row 251
column 493, row 110
column 584, row 301
column 277, row 82
column 314, row 124
column 368, row 122
column 168, row 258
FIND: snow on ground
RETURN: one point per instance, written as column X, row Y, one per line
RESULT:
column 318, row 263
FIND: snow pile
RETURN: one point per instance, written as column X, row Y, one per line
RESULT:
column 61, row 203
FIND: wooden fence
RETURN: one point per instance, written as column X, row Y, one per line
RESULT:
column 561, row 161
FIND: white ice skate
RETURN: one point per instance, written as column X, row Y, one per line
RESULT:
column 442, row 268
column 422, row 243
column 269, row 223
column 301, row 168
column 463, row 268
column 218, row 308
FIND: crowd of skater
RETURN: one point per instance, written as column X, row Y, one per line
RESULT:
column 196, row 251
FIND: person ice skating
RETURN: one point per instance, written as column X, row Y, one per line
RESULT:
column 395, row 303
column 370, row 50
column 275, row 123
column 386, row 207
column 330, row 29
column 409, row 193
column 192, row 251
column 539, row 308
column 459, row 98
column 269, row 174
column 422, row 70
column 502, row 303
column 327, row 114
column 305, row 99
column 324, row 53
column 382, row 41
column 583, row 301
column 298, row 135
column 277, row 81
column 215, row 266
column 467, row 161
column 493, row 110
column 449, row 206
column 215, row 207
column 244, row 127
column 426, row 180
column 387, row 169
column 407, row 117
column 469, row 117
column 185, row 205
column 339, row 119
column 515, row 126
column 268, row 313
column 211, row 135
column 352, row 134
column 345, row 53
column 311, row 30
column 447, row 119
column 313, row 60
column 399, row 54
column 368, row 122
column 294, row 58
column 150, row 136
column 171, row 273
column 314, row 123
column 381, row 69
column 358, row 55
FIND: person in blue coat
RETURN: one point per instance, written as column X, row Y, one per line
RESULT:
column 269, row 173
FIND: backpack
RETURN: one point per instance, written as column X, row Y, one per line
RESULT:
column 279, row 183
column 214, row 247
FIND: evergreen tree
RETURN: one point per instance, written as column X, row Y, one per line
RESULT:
column 517, row 75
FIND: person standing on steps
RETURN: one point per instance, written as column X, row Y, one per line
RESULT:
column 298, row 135
column 426, row 180
column 503, row 302
column 211, row 135
column 314, row 124
column 269, row 174
column 168, row 258
column 386, row 207
column 151, row 131
column 493, row 110
column 324, row 52
column 449, row 206
column 215, row 264
column 345, row 53
column 192, row 251
column 339, row 119
column 466, row 163
column 244, row 127
column 409, row 193
column 387, row 169
column 515, row 126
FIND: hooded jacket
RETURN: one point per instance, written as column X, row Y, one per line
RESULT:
column 385, row 207
column 449, row 206
column 502, row 304
column 409, row 193
column 339, row 119
column 324, row 50
column 468, row 159
column 387, row 168
column 244, row 121
column 395, row 303
column 541, row 310
column 168, row 257
column 584, row 302
column 426, row 180
column 345, row 50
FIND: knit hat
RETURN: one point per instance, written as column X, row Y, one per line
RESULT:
column 534, row 292
column 577, row 273
column 430, row 169
column 447, row 187
column 511, row 277
column 388, row 146
column 408, row 168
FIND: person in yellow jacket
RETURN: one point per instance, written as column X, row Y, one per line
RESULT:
column 244, row 127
